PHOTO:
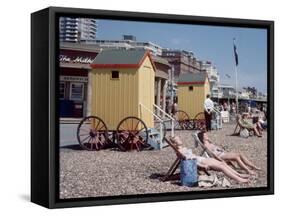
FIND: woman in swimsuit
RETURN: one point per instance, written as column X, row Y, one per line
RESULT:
column 210, row 163
column 241, row 160
column 250, row 126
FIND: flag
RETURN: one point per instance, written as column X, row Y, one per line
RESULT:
column 235, row 52
column 227, row 75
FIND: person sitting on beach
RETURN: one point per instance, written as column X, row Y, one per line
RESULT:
column 210, row 163
column 263, row 123
column 239, row 158
column 250, row 126
column 262, row 120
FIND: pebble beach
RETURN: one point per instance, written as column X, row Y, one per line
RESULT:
column 110, row 172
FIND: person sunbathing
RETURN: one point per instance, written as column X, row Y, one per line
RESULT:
column 250, row 126
column 239, row 158
column 210, row 163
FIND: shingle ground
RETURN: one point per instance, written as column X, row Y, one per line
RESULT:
column 110, row 172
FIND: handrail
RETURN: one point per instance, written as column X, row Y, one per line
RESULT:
column 161, row 127
column 166, row 114
column 151, row 112
column 219, row 114
column 169, row 116
column 216, row 110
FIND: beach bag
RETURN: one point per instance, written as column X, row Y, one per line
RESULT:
column 244, row 133
column 188, row 173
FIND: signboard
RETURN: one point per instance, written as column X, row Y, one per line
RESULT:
column 77, row 56
column 76, row 59
column 74, row 79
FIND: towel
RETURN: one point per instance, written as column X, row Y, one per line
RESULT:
column 212, row 181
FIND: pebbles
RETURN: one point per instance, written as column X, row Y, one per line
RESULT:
column 110, row 172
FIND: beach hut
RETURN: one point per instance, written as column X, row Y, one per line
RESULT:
column 192, row 91
column 121, row 80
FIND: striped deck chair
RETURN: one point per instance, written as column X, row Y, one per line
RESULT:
column 205, row 151
column 175, row 165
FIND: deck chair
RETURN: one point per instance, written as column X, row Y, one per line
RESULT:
column 206, row 152
column 239, row 126
column 176, row 163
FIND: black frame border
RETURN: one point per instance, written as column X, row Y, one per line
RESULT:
column 51, row 199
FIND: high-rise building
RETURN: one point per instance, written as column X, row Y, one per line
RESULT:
column 77, row 30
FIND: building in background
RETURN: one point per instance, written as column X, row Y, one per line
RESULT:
column 185, row 62
column 75, row 60
column 182, row 61
column 162, row 78
column 128, row 42
column 77, row 30
column 214, row 78
column 227, row 91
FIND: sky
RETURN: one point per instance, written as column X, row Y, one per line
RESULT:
column 210, row 43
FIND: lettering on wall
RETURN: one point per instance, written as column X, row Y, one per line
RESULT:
column 73, row 79
column 76, row 59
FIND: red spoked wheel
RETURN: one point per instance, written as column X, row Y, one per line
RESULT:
column 183, row 120
column 92, row 133
column 199, row 121
column 132, row 134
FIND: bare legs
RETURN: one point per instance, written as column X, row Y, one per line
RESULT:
column 257, row 132
column 242, row 161
column 248, row 163
column 259, row 128
column 222, row 167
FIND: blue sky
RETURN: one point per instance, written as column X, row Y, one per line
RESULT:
column 207, row 42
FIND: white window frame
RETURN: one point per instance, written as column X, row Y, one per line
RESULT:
column 70, row 91
column 64, row 91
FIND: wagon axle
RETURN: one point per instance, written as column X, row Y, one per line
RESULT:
column 131, row 134
column 185, row 123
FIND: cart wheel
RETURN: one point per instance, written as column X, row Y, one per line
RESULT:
column 132, row 134
column 190, row 124
column 92, row 133
column 182, row 120
column 199, row 121
column 157, row 126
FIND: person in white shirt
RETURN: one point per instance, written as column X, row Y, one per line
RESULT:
column 208, row 108
column 249, row 108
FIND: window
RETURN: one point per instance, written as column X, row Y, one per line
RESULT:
column 190, row 88
column 76, row 91
column 115, row 74
column 62, row 90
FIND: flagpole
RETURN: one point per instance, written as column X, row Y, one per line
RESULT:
column 236, row 80
column 236, row 88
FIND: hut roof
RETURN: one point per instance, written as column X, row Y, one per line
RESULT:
column 192, row 78
column 121, row 59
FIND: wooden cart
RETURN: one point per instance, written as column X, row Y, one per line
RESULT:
column 192, row 91
column 184, row 122
column 121, row 82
